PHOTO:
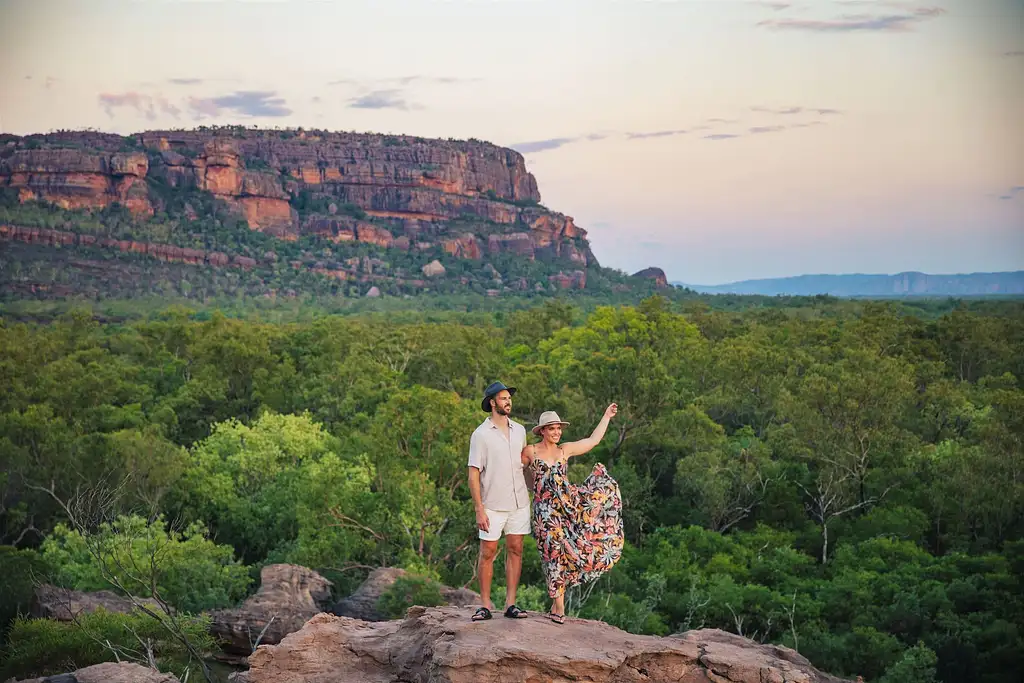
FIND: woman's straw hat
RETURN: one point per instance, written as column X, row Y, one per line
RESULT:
column 548, row 417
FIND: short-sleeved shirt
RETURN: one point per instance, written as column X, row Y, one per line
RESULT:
column 502, row 484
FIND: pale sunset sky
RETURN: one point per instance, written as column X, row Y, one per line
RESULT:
column 718, row 139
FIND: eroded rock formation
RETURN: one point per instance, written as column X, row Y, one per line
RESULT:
column 442, row 645
column 288, row 596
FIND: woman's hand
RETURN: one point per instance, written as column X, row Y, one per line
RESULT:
column 611, row 410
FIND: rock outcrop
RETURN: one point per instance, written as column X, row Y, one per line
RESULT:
column 287, row 597
column 219, row 168
column 63, row 604
column 400, row 192
column 362, row 604
column 108, row 672
column 79, row 179
column 442, row 645
column 653, row 273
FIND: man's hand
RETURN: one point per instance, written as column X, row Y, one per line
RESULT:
column 482, row 522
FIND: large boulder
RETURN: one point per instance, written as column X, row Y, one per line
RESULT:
column 363, row 603
column 288, row 596
column 108, row 672
column 442, row 645
column 63, row 604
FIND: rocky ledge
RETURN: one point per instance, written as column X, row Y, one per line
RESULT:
column 442, row 645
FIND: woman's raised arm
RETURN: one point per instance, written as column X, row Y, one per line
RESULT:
column 585, row 445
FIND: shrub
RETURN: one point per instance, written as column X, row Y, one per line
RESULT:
column 408, row 591
column 43, row 647
column 20, row 569
column 192, row 572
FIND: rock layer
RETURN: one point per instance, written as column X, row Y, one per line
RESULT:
column 442, row 645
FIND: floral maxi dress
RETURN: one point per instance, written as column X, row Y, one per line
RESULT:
column 578, row 528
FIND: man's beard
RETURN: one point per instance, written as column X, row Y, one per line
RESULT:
column 501, row 410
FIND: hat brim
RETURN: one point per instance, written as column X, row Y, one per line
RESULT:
column 536, row 430
column 486, row 403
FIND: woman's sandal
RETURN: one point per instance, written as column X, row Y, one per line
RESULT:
column 557, row 618
column 481, row 614
column 514, row 612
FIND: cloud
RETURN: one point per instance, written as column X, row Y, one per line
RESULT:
column 788, row 111
column 185, row 81
column 147, row 105
column 379, row 83
column 537, row 146
column 1014, row 53
column 1012, row 192
column 542, row 145
column 654, row 134
column 777, row 5
column 245, row 102
column 382, row 99
column 853, row 23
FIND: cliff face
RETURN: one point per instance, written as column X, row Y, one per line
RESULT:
column 472, row 199
column 79, row 179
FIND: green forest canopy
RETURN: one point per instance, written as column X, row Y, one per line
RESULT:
column 845, row 478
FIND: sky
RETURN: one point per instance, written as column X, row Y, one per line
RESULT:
column 720, row 140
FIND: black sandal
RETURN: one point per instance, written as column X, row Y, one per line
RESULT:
column 557, row 618
column 514, row 612
column 481, row 614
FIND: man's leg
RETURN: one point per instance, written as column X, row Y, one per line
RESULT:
column 485, row 570
column 513, row 567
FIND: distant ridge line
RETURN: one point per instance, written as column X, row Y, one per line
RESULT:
column 907, row 283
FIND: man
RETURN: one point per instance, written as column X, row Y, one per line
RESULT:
column 500, row 496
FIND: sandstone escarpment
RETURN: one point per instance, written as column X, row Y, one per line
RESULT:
column 443, row 645
column 469, row 198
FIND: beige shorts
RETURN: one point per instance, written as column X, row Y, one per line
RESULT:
column 512, row 522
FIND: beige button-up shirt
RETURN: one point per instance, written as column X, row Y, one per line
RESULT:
column 502, row 484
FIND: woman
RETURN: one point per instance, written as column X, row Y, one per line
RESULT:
column 578, row 528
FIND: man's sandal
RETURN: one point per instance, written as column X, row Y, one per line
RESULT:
column 557, row 618
column 514, row 612
column 481, row 614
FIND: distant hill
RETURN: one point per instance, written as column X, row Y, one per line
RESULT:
column 855, row 285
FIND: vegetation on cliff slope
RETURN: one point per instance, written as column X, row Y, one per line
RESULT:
column 842, row 478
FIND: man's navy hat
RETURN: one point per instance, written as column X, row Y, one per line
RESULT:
column 490, row 391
